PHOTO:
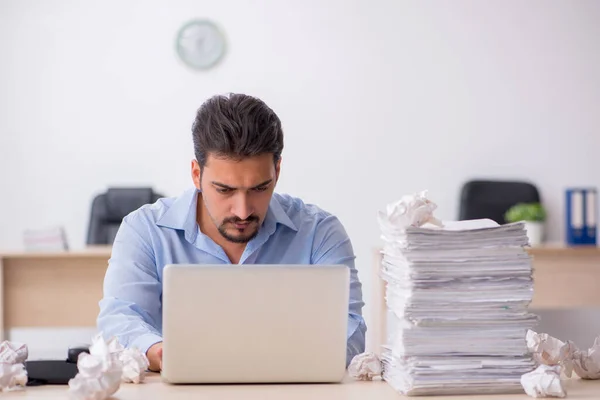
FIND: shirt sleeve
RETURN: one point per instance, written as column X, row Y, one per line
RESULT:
column 333, row 246
column 130, row 309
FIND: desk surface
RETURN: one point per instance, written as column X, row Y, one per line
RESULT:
column 153, row 388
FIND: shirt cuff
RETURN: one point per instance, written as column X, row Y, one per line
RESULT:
column 145, row 341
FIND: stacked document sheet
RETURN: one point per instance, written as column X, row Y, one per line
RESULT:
column 457, row 302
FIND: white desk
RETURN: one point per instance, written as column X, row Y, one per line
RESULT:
column 153, row 388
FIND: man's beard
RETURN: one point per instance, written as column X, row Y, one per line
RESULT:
column 245, row 238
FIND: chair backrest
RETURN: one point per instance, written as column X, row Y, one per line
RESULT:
column 491, row 199
column 109, row 209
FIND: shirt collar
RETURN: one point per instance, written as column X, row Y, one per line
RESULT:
column 182, row 214
column 278, row 214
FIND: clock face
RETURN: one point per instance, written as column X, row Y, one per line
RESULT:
column 200, row 44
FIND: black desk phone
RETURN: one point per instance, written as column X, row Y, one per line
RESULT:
column 54, row 372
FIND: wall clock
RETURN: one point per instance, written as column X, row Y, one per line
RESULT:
column 200, row 44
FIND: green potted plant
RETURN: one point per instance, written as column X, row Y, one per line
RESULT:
column 534, row 216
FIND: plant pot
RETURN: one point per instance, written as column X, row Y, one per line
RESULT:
column 535, row 232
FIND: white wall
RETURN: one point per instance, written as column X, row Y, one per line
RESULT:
column 378, row 99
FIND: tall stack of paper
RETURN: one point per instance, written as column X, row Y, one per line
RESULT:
column 457, row 299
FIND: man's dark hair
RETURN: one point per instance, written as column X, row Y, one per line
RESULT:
column 236, row 126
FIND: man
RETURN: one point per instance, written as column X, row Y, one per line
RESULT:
column 232, row 216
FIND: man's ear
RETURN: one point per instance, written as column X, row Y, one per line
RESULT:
column 196, row 174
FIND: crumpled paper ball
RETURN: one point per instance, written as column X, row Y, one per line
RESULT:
column 544, row 381
column 365, row 366
column 100, row 371
column 135, row 363
column 587, row 364
column 105, row 367
column 96, row 380
column 13, row 352
column 411, row 210
column 548, row 350
column 12, row 376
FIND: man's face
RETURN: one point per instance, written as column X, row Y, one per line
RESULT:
column 236, row 194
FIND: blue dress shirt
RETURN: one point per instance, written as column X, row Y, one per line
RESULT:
column 166, row 232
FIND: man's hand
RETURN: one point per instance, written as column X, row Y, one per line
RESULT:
column 154, row 355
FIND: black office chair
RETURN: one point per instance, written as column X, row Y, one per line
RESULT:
column 491, row 199
column 109, row 209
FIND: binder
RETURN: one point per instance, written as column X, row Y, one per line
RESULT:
column 581, row 216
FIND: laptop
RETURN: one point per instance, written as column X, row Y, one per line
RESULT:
column 254, row 323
